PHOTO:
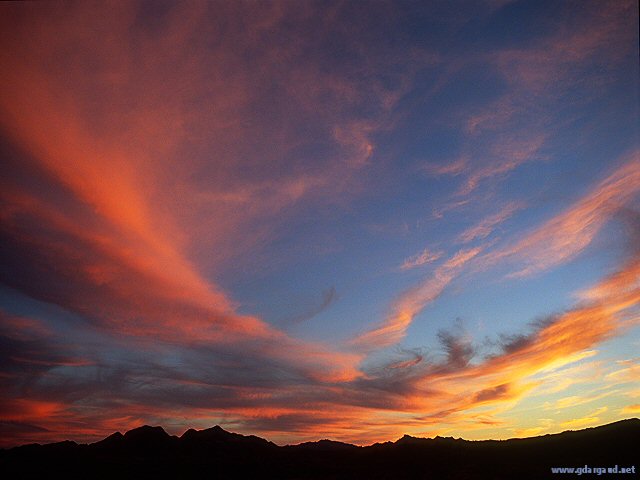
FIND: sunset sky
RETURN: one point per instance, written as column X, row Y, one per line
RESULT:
column 303, row 220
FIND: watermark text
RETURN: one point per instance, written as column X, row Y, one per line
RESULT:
column 589, row 470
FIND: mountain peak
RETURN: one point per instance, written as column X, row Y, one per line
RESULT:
column 148, row 437
column 216, row 429
column 214, row 432
column 146, row 431
column 408, row 439
column 111, row 440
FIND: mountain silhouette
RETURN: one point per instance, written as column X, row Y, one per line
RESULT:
column 150, row 452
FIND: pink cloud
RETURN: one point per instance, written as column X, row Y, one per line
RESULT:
column 509, row 155
column 487, row 225
column 422, row 258
column 565, row 236
column 413, row 301
column 455, row 167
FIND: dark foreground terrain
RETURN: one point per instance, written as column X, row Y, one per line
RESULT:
column 149, row 452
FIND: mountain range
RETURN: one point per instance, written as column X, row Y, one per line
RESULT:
column 214, row 453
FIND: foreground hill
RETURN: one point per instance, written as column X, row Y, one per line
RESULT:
column 149, row 452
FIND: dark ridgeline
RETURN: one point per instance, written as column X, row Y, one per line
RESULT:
column 149, row 452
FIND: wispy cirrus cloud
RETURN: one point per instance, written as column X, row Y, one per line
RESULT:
column 626, row 371
column 422, row 258
column 487, row 225
column 455, row 167
column 566, row 235
column 515, row 128
column 549, row 66
column 555, row 242
column 114, row 177
column 506, row 156
column 413, row 301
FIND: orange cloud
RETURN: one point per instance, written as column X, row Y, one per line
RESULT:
column 422, row 258
column 631, row 409
column 119, row 193
column 556, row 380
column 413, row 302
column 565, row 236
column 579, row 422
column 451, row 391
column 488, row 224
column 558, row 342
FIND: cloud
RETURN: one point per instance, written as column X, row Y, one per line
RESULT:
column 510, row 153
column 560, row 379
column 102, row 219
column 262, row 392
column 551, row 64
column 631, row 409
column 458, row 348
column 287, row 392
column 579, row 423
column 566, row 235
column 626, row 371
column 491, row 394
column 461, row 257
column 422, row 258
column 540, row 75
column 556, row 343
column 300, row 140
column 123, row 386
column 413, row 301
column 488, row 224
column 328, row 298
column 455, row 167
column 29, row 349
column 574, row 400
column 179, row 151
column 439, row 212
column 492, row 118
column 450, row 389
column 417, row 358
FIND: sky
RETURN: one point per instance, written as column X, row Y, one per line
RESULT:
column 301, row 220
